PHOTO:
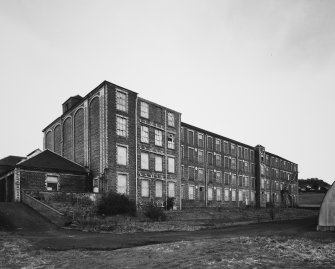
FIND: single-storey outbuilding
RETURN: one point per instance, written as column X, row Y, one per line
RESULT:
column 40, row 170
column 327, row 211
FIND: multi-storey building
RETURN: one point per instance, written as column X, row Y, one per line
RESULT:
column 137, row 147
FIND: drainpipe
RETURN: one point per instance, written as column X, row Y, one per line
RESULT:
column 136, row 150
column 166, row 160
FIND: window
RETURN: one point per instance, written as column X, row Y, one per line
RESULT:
column 52, row 183
column 191, row 192
column 252, row 198
column 210, row 175
column 171, row 141
column 240, row 195
column 210, row 193
column 171, row 119
column 144, row 134
column 171, row 166
column 262, row 183
column 158, row 114
column 144, row 110
column 190, row 137
column 225, row 147
column 246, row 154
column 144, row 161
column 240, row 180
column 233, row 179
column 122, row 184
column 218, row 194
column 218, row 177
column 246, row 167
column 252, row 156
column 191, row 173
column 210, row 158
column 159, row 189
column 226, row 195
column 182, row 153
column 200, row 157
column 200, row 174
column 158, row 138
column 218, row 160
column 240, row 152
column 246, row 181
column 145, row 188
column 121, row 155
column 121, row 101
column 210, row 143
column 218, row 145
column 233, row 149
column 181, row 134
column 182, row 172
column 158, row 163
column 121, row 126
column 191, row 154
column 226, row 162
column 171, row 189
column 233, row 195
column 233, row 163
column 226, row 178
column 200, row 140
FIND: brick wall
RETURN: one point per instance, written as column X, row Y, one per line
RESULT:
column 68, row 182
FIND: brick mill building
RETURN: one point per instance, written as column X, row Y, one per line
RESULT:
column 134, row 146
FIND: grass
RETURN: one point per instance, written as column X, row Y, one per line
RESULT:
column 234, row 252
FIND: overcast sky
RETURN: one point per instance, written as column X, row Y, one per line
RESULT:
column 260, row 72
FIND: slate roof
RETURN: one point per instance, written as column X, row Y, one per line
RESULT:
column 50, row 161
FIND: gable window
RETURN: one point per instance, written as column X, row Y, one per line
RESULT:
column 52, row 183
column 171, row 166
column 171, row 119
column 171, row 187
column 121, row 126
column 144, row 161
column 144, row 134
column 145, row 188
column 122, row 184
column 171, row 141
column 121, row 101
column 158, row 138
column 121, row 153
column 159, row 189
column 144, row 110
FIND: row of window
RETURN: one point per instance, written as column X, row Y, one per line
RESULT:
column 228, row 148
column 279, row 163
column 158, row 137
column 145, row 188
column 158, row 159
column 144, row 112
column 243, row 195
column 275, row 173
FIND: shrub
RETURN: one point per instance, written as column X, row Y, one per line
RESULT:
column 154, row 212
column 114, row 204
column 169, row 203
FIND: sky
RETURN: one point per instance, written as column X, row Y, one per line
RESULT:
column 259, row 72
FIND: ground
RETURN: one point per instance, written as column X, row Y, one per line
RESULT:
column 281, row 244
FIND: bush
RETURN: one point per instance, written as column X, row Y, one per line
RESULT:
column 115, row 204
column 154, row 213
column 169, row 203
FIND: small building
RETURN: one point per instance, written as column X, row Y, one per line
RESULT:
column 40, row 170
column 327, row 211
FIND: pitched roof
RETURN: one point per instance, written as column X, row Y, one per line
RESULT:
column 8, row 163
column 50, row 161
